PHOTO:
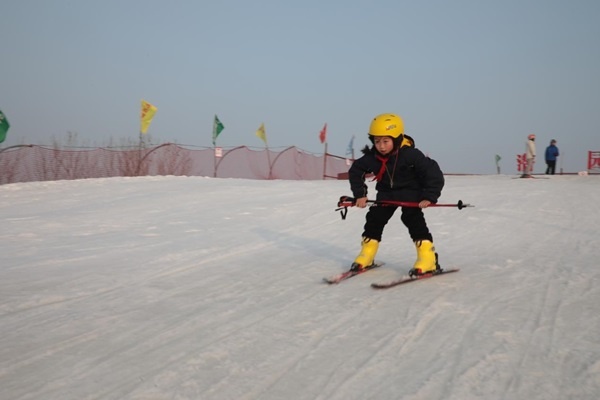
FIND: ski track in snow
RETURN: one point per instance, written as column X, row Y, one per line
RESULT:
column 201, row 288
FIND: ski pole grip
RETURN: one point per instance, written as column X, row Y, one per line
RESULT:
column 346, row 201
column 343, row 204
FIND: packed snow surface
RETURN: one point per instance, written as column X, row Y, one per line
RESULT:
column 203, row 288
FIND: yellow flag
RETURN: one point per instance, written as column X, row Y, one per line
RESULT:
column 148, row 111
column 260, row 132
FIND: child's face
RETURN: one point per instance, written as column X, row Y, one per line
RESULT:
column 384, row 144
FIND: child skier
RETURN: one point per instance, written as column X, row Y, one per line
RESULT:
column 403, row 173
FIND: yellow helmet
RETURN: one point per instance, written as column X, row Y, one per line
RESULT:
column 387, row 125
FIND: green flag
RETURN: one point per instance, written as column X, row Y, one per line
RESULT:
column 217, row 128
column 4, row 125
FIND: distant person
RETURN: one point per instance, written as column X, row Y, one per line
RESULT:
column 403, row 173
column 551, row 154
column 530, row 155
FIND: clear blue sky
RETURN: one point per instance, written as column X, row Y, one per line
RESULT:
column 471, row 78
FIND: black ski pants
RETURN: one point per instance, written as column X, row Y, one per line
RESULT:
column 412, row 217
column 551, row 167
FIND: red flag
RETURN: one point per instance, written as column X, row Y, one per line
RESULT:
column 323, row 134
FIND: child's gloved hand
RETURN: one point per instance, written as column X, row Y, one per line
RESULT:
column 361, row 202
column 424, row 203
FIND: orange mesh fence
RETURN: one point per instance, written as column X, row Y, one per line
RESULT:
column 27, row 163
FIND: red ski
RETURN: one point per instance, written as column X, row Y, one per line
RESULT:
column 406, row 279
column 349, row 274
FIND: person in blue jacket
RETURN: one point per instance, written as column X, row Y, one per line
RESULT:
column 403, row 173
column 551, row 154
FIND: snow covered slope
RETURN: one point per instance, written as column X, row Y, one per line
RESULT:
column 201, row 288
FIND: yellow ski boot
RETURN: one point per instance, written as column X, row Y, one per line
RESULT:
column 426, row 258
column 367, row 254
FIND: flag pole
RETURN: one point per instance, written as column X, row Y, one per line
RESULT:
column 214, row 160
column 323, row 139
column 325, row 161
column 146, row 115
column 217, row 129
column 269, row 160
column 561, row 162
column 262, row 134
column 215, row 147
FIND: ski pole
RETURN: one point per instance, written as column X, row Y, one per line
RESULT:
column 346, row 201
column 460, row 205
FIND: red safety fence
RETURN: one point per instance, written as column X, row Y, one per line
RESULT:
column 25, row 163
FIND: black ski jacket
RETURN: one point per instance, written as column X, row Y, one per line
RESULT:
column 409, row 175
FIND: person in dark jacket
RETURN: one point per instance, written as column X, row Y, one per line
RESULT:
column 551, row 154
column 403, row 173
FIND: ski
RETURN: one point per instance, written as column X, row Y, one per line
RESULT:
column 529, row 177
column 406, row 278
column 349, row 274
